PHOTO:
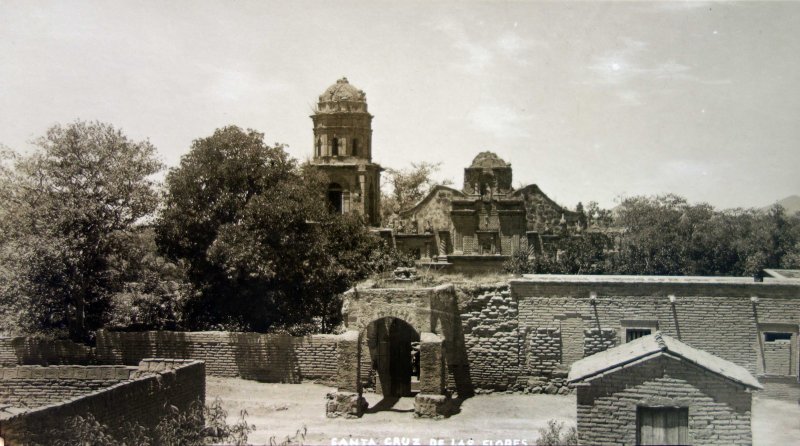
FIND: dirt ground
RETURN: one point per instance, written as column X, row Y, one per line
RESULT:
column 280, row 410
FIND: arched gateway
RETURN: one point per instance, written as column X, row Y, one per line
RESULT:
column 406, row 335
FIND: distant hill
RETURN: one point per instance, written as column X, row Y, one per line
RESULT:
column 790, row 203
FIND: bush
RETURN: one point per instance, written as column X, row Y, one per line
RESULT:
column 199, row 425
column 555, row 435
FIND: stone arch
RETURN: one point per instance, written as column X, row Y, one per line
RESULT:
column 393, row 348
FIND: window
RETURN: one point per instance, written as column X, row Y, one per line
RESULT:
column 335, row 198
column 335, row 147
column 355, row 147
column 773, row 336
column 632, row 329
column 319, row 147
column 662, row 425
column 636, row 333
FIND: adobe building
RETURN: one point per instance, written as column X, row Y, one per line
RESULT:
column 658, row 390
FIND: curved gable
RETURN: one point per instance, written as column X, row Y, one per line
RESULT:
column 429, row 198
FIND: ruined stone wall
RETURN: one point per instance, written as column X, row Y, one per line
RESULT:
column 491, row 335
column 144, row 399
column 34, row 386
column 263, row 357
column 597, row 340
column 719, row 410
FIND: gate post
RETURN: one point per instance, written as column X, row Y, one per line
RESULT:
column 432, row 401
column 347, row 400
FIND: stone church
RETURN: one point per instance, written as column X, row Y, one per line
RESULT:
column 476, row 228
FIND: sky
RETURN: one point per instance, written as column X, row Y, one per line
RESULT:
column 591, row 101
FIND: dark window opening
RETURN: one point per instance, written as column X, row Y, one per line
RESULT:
column 335, row 147
column 662, row 425
column 319, row 147
column 773, row 336
column 636, row 333
column 335, row 196
column 355, row 147
column 416, row 254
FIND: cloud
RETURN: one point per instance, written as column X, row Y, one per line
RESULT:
column 500, row 121
column 232, row 85
column 625, row 65
column 480, row 53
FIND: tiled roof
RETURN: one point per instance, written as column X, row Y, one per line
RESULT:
column 652, row 346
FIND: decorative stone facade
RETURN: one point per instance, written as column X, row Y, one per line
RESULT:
column 486, row 218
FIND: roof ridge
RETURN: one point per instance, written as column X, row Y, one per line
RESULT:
column 660, row 341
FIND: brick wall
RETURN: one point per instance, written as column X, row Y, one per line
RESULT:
column 144, row 398
column 34, row 386
column 777, row 357
column 491, row 336
column 719, row 410
column 598, row 340
column 30, row 351
column 717, row 317
column 264, row 357
column 543, row 351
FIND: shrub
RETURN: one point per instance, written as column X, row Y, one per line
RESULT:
column 555, row 435
column 199, row 425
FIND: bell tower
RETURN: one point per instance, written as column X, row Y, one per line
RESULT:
column 343, row 150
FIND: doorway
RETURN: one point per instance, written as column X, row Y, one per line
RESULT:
column 394, row 349
column 335, row 196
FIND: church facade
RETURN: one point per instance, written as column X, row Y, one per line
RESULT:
column 477, row 227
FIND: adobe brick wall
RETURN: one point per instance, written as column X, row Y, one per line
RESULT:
column 144, row 398
column 491, row 335
column 263, row 357
column 719, row 410
column 717, row 317
column 34, row 386
column 29, row 351
column 777, row 356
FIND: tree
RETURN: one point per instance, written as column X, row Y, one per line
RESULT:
column 409, row 186
column 666, row 235
column 261, row 247
column 68, row 203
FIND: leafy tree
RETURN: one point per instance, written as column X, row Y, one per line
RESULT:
column 666, row 235
column 262, row 250
column 64, row 208
column 408, row 186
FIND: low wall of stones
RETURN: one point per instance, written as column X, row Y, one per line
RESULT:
column 262, row 357
column 143, row 398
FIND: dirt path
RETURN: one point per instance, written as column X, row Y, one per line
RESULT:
column 281, row 409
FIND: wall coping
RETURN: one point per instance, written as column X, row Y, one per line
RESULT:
column 606, row 279
column 8, row 413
